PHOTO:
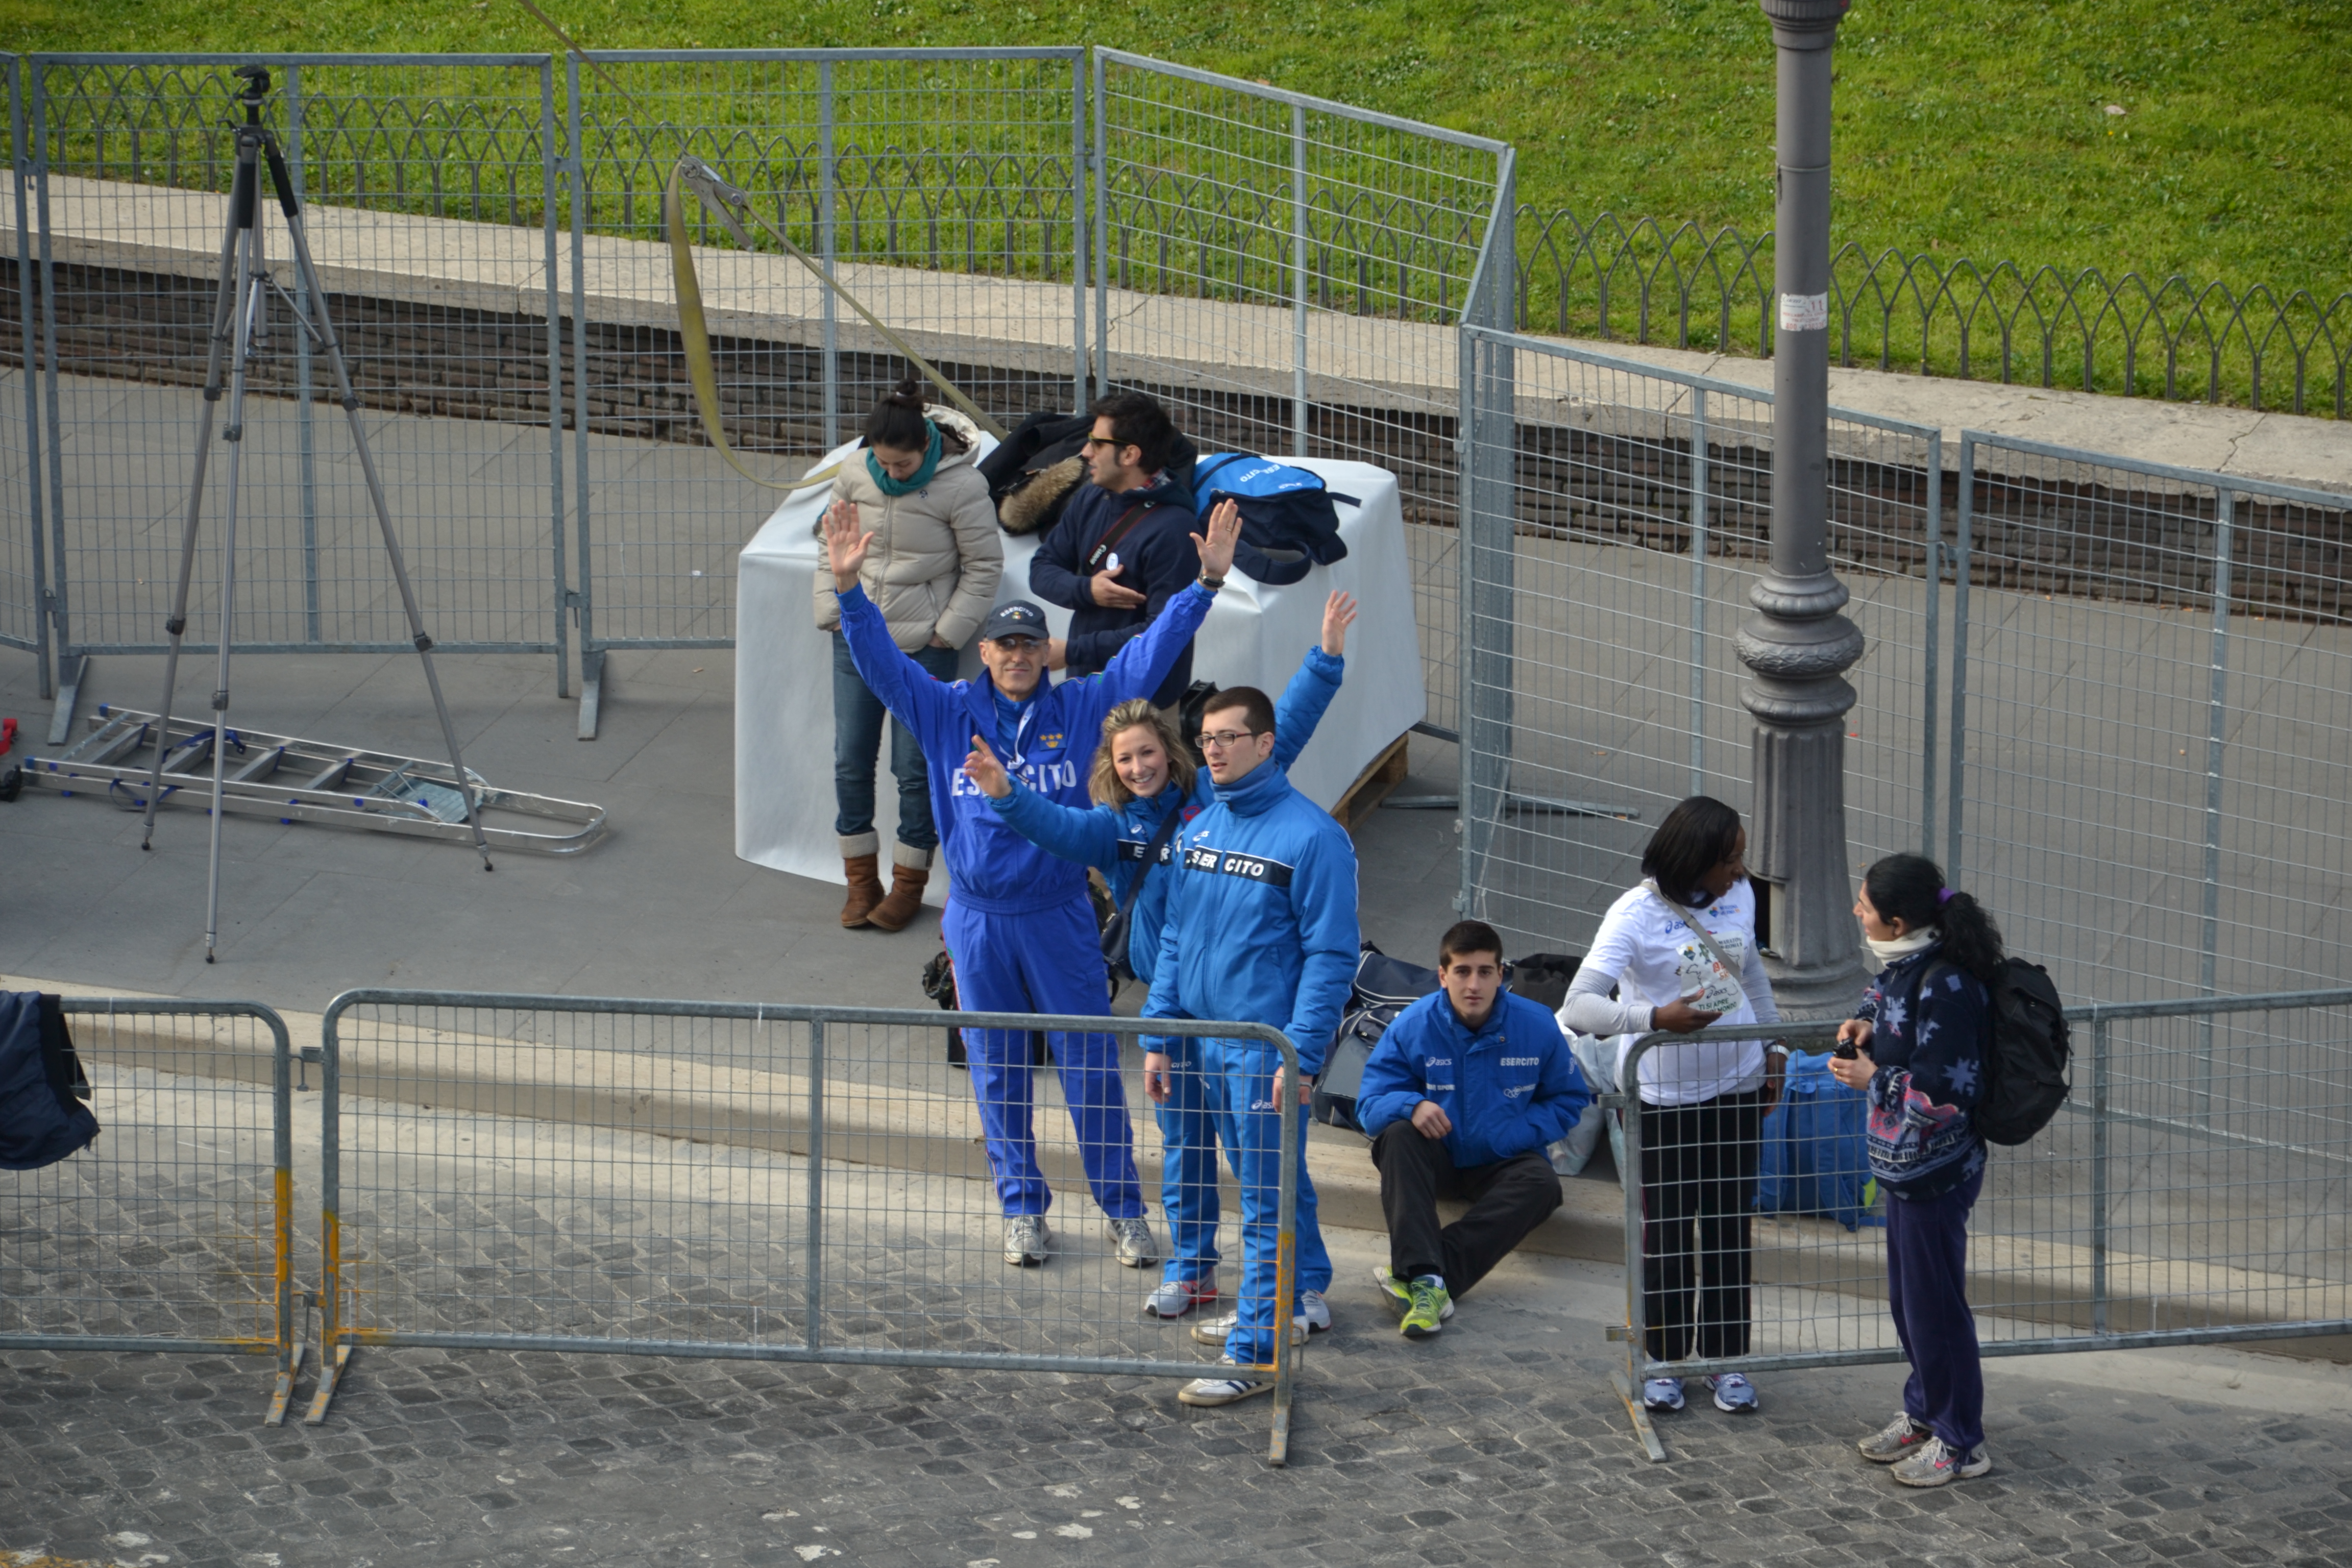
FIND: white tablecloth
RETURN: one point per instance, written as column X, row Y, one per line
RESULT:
column 1255, row 635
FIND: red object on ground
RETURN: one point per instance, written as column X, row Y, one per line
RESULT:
column 8, row 735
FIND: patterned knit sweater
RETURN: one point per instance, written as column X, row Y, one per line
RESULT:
column 1929, row 1036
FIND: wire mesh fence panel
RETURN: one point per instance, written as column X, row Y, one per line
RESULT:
column 172, row 1230
column 1604, row 682
column 2193, row 1189
column 942, row 188
column 2152, row 746
column 425, row 185
column 681, row 1178
column 22, row 570
column 1287, row 274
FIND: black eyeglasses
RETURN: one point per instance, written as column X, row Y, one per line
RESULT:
column 1222, row 740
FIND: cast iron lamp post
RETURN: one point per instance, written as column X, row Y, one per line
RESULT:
column 1798, row 647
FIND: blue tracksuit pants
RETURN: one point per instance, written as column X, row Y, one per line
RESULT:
column 1046, row 961
column 1240, row 1074
column 1188, row 1162
column 1927, row 1273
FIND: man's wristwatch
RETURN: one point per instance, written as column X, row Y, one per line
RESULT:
column 1211, row 583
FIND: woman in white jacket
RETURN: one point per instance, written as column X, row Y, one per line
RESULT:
column 1702, row 1105
column 934, row 567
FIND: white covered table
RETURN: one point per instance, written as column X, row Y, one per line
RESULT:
column 1255, row 635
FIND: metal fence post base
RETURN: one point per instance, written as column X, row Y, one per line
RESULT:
column 331, row 1376
column 72, row 670
column 591, row 690
column 283, row 1395
column 1645, row 1429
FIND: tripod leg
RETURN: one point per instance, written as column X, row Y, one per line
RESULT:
column 224, row 320
column 250, row 302
column 325, row 329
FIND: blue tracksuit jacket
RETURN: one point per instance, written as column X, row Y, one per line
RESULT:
column 994, row 869
column 1509, row 1089
column 1261, row 922
column 1113, row 839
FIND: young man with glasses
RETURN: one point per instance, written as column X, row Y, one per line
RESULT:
column 1261, row 926
column 1120, row 550
column 1019, row 922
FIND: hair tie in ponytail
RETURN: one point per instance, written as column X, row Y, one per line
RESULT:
column 1943, row 897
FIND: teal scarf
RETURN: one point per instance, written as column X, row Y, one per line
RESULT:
column 923, row 476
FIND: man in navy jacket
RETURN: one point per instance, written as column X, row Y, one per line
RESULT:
column 1261, row 928
column 1019, row 922
column 1460, row 1099
column 1122, row 547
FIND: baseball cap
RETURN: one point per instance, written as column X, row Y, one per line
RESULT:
column 1018, row 619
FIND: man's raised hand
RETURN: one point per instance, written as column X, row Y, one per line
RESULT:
column 985, row 772
column 1338, row 615
column 1224, row 533
column 844, row 545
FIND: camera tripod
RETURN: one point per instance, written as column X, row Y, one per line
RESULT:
column 239, row 332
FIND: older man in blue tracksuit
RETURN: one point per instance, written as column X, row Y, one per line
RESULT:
column 1019, row 922
column 1461, row 1098
column 1261, row 928
column 1131, row 844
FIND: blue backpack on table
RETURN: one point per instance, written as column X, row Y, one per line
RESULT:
column 1290, row 522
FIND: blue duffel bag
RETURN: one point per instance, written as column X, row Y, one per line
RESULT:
column 1290, row 522
column 1814, row 1160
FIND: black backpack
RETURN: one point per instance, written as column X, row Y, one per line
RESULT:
column 42, row 1085
column 2025, row 1067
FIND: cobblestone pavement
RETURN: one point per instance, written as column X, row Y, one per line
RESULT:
column 1499, row 1443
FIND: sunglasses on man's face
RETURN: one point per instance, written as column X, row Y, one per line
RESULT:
column 1094, row 441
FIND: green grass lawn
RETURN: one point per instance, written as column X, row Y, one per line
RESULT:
column 1981, row 130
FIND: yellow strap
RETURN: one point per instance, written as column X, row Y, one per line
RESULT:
column 732, row 207
column 695, row 333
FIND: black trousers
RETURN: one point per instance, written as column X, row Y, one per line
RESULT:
column 1698, row 1176
column 1508, row 1199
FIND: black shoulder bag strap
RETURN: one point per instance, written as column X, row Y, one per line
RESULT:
column 1113, row 932
column 1112, row 536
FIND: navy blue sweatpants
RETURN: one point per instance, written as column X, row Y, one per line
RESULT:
column 1926, row 1278
column 1047, row 961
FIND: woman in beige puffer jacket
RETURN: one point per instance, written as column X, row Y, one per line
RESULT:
column 933, row 570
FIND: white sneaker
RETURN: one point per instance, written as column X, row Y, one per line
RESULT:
column 1024, row 1240
column 1938, row 1464
column 1176, row 1298
column 1213, row 1331
column 1315, row 1311
column 1137, row 1246
column 1214, row 1390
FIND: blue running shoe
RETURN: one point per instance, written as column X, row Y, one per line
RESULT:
column 1663, row 1393
column 1734, row 1393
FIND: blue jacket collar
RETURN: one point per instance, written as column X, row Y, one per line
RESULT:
column 1260, row 790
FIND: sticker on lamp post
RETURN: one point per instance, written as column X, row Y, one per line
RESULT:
column 1804, row 312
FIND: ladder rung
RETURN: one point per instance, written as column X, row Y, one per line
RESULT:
column 261, row 767
column 328, row 777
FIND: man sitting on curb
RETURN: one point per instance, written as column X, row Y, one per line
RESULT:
column 1460, row 1098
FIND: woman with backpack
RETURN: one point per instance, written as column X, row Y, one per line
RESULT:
column 934, row 567
column 1679, row 952
column 1146, row 788
column 1919, row 1049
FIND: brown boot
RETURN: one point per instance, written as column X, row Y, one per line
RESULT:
column 906, row 900
column 861, row 867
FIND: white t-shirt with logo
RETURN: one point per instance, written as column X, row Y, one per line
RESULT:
column 1657, row 958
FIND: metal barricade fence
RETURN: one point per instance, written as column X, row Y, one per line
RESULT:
column 1287, row 274
column 23, row 571
column 943, row 187
column 769, row 1183
column 1612, row 548
column 427, row 189
column 2195, row 1189
column 174, row 1231
column 2151, row 708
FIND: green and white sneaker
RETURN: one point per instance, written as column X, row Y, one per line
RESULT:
column 1431, row 1307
